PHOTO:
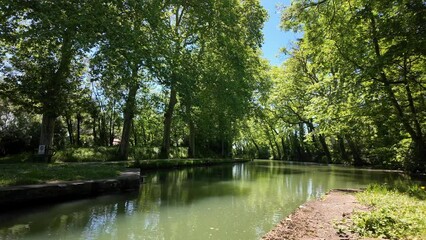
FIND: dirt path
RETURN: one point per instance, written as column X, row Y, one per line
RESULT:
column 316, row 219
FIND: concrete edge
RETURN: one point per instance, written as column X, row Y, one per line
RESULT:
column 15, row 196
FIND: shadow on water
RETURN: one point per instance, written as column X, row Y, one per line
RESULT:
column 75, row 214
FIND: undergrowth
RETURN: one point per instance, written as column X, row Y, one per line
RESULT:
column 396, row 213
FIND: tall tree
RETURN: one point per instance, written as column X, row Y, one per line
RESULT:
column 127, row 52
column 214, row 51
column 42, row 41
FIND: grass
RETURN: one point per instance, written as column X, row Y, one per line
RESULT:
column 17, row 158
column 98, row 154
column 34, row 173
column 396, row 213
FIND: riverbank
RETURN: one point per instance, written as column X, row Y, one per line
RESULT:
column 42, row 173
column 17, row 196
column 316, row 219
column 33, row 183
column 377, row 213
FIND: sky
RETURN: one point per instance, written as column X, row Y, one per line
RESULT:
column 274, row 37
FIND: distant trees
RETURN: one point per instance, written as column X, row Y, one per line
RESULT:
column 353, row 88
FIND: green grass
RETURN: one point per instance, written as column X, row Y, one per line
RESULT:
column 17, row 158
column 395, row 214
column 34, row 173
column 177, row 163
column 98, row 154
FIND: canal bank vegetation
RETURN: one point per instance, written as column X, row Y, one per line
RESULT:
column 396, row 213
column 188, row 81
column 27, row 173
column 39, row 173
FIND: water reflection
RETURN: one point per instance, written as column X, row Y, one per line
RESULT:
column 240, row 201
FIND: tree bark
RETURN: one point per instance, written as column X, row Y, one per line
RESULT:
column 51, row 106
column 79, row 120
column 70, row 129
column 111, row 125
column 325, row 148
column 305, row 150
column 285, row 150
column 47, row 130
column 129, row 111
column 103, row 138
column 95, row 136
column 343, row 154
column 168, row 117
column 191, row 148
column 355, row 152
column 135, row 134
column 256, row 146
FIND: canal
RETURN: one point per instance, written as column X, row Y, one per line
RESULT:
column 241, row 201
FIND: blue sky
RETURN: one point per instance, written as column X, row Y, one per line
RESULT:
column 274, row 37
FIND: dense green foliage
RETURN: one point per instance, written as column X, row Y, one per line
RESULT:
column 150, row 78
column 394, row 215
column 137, row 74
column 353, row 88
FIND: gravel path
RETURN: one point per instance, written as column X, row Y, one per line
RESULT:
column 317, row 219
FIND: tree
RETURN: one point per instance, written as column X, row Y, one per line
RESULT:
column 127, row 52
column 372, row 54
column 215, row 52
column 43, row 41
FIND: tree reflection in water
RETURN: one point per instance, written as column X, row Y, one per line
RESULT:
column 241, row 201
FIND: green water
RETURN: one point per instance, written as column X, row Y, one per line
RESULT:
column 242, row 201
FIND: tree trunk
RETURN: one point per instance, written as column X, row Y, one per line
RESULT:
column 275, row 133
column 325, row 148
column 418, row 156
column 47, row 130
column 79, row 120
column 285, row 150
column 271, row 144
column 305, row 150
column 135, row 134
column 129, row 111
column 103, row 138
column 95, row 136
column 355, row 152
column 342, row 150
column 51, row 108
column 191, row 149
column 111, row 126
column 70, row 130
column 168, row 116
column 256, row 146
column 320, row 151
